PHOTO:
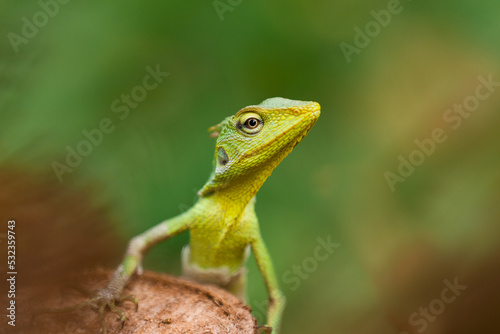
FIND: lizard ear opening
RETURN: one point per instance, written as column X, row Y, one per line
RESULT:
column 222, row 157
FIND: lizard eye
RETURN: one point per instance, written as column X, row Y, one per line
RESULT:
column 250, row 123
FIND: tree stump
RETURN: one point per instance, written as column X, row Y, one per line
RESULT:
column 166, row 305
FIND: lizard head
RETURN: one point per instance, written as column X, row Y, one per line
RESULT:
column 253, row 142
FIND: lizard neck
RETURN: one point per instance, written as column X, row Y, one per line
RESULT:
column 235, row 197
column 222, row 206
column 240, row 189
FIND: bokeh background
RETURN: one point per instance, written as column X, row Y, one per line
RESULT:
column 397, row 247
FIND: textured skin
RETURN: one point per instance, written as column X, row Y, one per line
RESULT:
column 223, row 223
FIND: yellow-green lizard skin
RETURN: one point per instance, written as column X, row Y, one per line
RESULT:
column 223, row 224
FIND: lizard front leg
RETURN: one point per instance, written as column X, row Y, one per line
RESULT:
column 136, row 250
column 277, row 300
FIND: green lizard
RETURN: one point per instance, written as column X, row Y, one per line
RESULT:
column 223, row 225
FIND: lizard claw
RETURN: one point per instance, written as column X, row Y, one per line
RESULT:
column 132, row 299
column 265, row 329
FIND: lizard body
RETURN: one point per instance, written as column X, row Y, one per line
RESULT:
column 223, row 225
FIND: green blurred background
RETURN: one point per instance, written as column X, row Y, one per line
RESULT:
column 396, row 247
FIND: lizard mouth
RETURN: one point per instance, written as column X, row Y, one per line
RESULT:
column 302, row 135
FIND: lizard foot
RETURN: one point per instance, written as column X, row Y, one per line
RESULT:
column 102, row 300
column 265, row 329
